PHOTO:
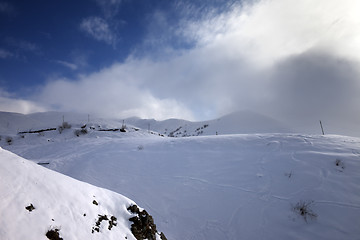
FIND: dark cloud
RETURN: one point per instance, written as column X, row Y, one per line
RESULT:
column 316, row 86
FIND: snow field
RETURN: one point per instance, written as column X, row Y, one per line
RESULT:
column 220, row 187
column 60, row 202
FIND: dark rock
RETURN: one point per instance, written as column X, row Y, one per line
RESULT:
column 30, row 207
column 112, row 222
column 53, row 234
column 143, row 226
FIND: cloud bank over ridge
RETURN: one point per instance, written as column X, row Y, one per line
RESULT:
column 292, row 60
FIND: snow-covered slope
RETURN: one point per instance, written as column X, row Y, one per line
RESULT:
column 239, row 186
column 235, row 123
column 36, row 202
column 60, row 203
column 13, row 123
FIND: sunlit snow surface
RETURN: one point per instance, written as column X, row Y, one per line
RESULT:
column 214, row 187
column 59, row 202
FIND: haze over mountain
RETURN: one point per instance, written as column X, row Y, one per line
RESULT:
column 234, row 123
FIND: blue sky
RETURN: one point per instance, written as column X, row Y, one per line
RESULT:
column 45, row 38
column 296, row 61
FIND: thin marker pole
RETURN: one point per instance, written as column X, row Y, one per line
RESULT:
column 322, row 129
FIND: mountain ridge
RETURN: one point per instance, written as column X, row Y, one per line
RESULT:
column 233, row 123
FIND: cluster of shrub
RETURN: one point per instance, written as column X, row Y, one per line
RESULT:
column 77, row 132
column 64, row 126
column 9, row 140
column 177, row 132
column 81, row 131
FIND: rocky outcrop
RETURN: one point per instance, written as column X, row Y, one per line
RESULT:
column 143, row 226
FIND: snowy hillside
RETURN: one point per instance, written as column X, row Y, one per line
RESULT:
column 239, row 186
column 234, row 123
column 37, row 203
column 13, row 123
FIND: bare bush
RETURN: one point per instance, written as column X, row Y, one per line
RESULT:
column 9, row 140
column 79, row 132
column 303, row 208
column 340, row 164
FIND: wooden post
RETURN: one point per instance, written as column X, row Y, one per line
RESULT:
column 322, row 129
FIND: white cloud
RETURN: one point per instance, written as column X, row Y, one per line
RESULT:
column 112, row 93
column 239, row 52
column 109, row 7
column 79, row 58
column 5, row 54
column 28, row 46
column 9, row 103
column 6, row 8
column 72, row 66
column 270, row 30
column 270, row 56
column 103, row 29
column 99, row 29
column 22, row 45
